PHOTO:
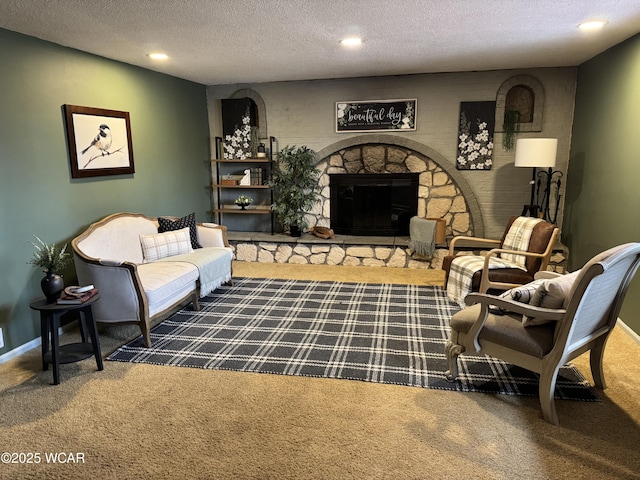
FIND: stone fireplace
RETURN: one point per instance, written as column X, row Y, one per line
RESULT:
column 438, row 195
column 442, row 192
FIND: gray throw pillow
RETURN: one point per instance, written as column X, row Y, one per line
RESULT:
column 552, row 293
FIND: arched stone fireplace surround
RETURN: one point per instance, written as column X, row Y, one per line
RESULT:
column 443, row 191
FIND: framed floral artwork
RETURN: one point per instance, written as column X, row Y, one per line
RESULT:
column 239, row 128
column 99, row 141
column 475, row 135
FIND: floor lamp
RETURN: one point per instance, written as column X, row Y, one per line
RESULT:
column 540, row 153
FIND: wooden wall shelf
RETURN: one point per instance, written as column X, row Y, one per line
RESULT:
column 246, row 160
column 247, row 211
column 262, row 192
column 215, row 185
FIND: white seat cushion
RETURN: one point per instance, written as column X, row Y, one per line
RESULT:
column 165, row 282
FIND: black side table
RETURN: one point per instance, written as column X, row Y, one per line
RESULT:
column 50, row 314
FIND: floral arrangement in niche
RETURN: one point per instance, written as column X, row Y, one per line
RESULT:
column 239, row 145
column 475, row 146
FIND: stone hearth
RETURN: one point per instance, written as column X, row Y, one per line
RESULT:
column 340, row 250
column 348, row 250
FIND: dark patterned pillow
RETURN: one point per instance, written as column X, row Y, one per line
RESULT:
column 168, row 225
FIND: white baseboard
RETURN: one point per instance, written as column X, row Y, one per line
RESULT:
column 5, row 357
column 626, row 329
column 35, row 343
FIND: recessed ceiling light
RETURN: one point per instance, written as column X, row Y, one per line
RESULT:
column 592, row 25
column 351, row 42
column 158, row 56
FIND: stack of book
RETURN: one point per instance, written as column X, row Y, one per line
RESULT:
column 257, row 176
column 77, row 295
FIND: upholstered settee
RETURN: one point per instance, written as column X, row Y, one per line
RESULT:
column 145, row 274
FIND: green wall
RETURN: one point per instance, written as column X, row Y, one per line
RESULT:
column 169, row 128
column 603, row 190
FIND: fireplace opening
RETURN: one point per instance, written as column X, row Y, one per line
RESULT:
column 373, row 204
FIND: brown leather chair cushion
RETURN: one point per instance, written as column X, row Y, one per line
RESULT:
column 538, row 244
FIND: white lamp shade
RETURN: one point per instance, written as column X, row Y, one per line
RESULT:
column 536, row 152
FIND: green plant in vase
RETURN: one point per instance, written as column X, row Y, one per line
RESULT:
column 294, row 180
column 52, row 260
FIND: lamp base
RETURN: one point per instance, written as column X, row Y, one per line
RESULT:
column 531, row 211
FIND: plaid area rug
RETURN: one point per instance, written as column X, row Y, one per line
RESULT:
column 359, row 331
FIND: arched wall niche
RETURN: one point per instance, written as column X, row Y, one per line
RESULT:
column 522, row 99
column 370, row 141
column 527, row 91
column 262, row 109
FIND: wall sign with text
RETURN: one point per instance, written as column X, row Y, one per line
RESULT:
column 379, row 115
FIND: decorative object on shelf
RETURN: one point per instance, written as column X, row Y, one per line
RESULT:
column 52, row 260
column 239, row 125
column 257, row 176
column 475, row 135
column 510, row 126
column 99, row 142
column 262, row 151
column 294, row 180
column 541, row 153
column 246, row 179
column 231, row 179
column 243, row 201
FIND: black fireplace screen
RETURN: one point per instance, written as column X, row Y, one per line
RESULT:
column 373, row 204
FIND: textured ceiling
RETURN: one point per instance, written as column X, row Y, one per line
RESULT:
column 236, row 41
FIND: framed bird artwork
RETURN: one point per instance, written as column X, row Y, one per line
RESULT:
column 99, row 142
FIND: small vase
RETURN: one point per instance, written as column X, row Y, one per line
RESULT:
column 52, row 286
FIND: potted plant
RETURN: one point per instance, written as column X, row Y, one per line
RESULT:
column 52, row 260
column 294, row 180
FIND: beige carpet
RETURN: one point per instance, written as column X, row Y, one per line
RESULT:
column 144, row 421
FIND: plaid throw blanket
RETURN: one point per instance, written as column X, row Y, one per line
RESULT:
column 518, row 237
column 464, row 267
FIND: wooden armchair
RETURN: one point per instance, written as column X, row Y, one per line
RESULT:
column 543, row 339
column 537, row 257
